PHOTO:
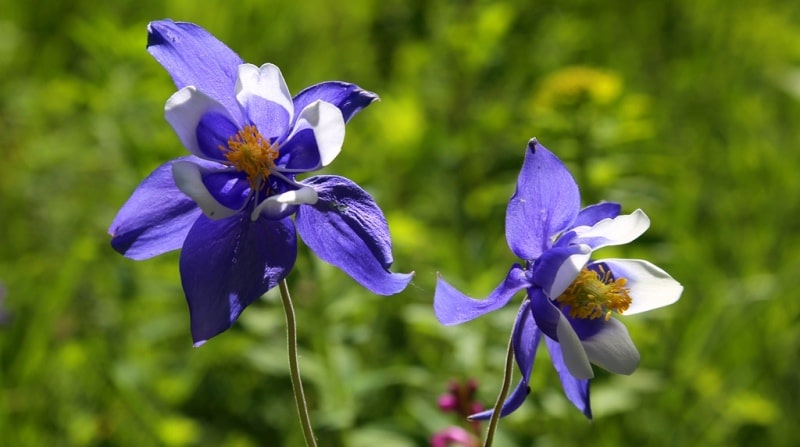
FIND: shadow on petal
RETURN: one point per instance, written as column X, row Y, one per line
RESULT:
column 612, row 349
column 227, row 264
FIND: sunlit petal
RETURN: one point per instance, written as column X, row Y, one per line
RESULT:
column 185, row 110
column 265, row 99
column 555, row 270
column 192, row 56
column 545, row 203
column 156, row 218
column 349, row 98
column 649, row 286
column 617, row 231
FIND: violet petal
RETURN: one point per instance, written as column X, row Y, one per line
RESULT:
column 346, row 228
column 227, row 264
column 545, row 203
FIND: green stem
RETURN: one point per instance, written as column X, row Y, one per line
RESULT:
column 294, row 369
column 498, row 406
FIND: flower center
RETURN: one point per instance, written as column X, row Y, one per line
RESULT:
column 250, row 152
column 594, row 294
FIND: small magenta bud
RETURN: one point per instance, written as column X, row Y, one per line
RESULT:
column 448, row 402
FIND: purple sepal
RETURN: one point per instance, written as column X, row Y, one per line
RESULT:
column 545, row 203
column 157, row 216
column 227, row 264
column 349, row 98
column 545, row 313
column 453, row 307
column 576, row 390
column 192, row 56
column 346, row 228
column 525, row 340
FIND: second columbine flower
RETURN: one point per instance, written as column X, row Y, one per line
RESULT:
column 570, row 299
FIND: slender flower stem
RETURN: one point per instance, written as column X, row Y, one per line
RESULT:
column 498, row 406
column 294, row 370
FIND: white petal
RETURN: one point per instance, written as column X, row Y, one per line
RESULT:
column 575, row 357
column 189, row 180
column 266, row 82
column 327, row 123
column 612, row 348
column 183, row 112
column 276, row 204
column 568, row 271
column 617, row 231
column 650, row 287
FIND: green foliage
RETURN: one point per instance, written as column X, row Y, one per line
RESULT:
column 686, row 109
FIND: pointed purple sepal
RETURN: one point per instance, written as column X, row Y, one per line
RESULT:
column 525, row 340
column 453, row 307
column 156, row 218
column 229, row 263
column 576, row 390
column 192, row 56
column 349, row 98
column 346, row 228
column 545, row 203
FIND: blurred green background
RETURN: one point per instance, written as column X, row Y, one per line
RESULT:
column 687, row 109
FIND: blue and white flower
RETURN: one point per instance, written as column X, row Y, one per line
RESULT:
column 228, row 205
column 570, row 298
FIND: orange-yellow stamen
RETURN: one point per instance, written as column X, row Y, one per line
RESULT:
column 593, row 295
column 250, row 152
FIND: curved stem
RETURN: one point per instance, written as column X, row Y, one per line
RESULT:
column 294, row 370
column 498, row 406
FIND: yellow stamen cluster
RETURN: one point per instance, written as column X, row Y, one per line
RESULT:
column 250, row 152
column 593, row 295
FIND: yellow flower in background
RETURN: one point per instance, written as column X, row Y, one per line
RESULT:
column 578, row 84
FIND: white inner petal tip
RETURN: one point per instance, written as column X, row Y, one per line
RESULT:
column 265, row 82
column 278, row 203
column 650, row 287
column 302, row 196
column 327, row 123
column 189, row 180
column 614, row 231
column 180, row 97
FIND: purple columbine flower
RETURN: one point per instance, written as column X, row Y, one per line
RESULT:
column 229, row 204
column 570, row 298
